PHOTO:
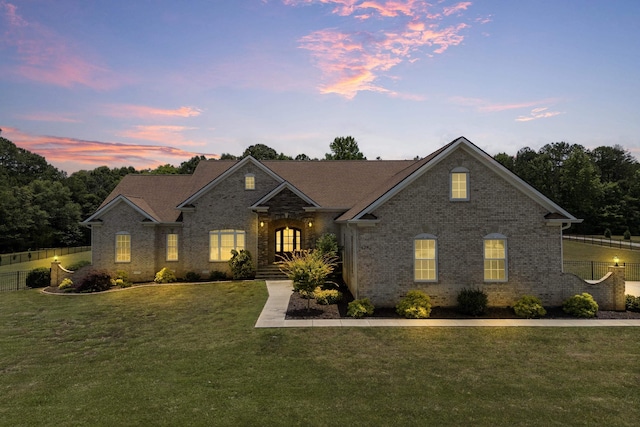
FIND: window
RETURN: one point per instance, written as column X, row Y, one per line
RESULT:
column 221, row 242
column 425, row 259
column 495, row 258
column 172, row 247
column 249, row 182
column 459, row 184
column 123, row 247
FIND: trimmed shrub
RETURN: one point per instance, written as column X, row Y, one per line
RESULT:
column 472, row 301
column 241, row 264
column 327, row 244
column 165, row 276
column 217, row 275
column 308, row 270
column 97, row 281
column 121, row 280
column 529, row 307
column 66, row 284
column 632, row 303
column 582, row 305
column 360, row 308
column 627, row 235
column 415, row 305
column 192, row 276
column 327, row 296
column 39, row 278
column 607, row 233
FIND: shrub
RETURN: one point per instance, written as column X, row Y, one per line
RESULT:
column 97, row 281
column 627, row 235
column 327, row 296
column 78, row 265
column 66, row 284
column 308, row 270
column 582, row 305
column 632, row 303
column 217, row 275
column 415, row 305
column 607, row 233
column 472, row 302
column 192, row 276
column 327, row 244
column 165, row 276
column 241, row 264
column 360, row 308
column 39, row 278
column 121, row 280
column 529, row 307
column 119, row 283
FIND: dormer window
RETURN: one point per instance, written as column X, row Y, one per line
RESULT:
column 459, row 184
column 249, row 181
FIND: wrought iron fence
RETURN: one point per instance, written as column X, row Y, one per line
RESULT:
column 13, row 281
column 18, row 257
column 594, row 270
column 603, row 241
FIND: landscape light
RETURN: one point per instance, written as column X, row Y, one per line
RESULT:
column 616, row 260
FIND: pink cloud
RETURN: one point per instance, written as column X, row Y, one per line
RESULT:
column 48, row 117
column 538, row 113
column 44, row 56
column 72, row 154
column 486, row 106
column 150, row 112
column 352, row 61
column 161, row 133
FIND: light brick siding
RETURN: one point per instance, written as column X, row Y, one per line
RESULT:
column 385, row 252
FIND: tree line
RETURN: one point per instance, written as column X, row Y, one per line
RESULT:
column 41, row 206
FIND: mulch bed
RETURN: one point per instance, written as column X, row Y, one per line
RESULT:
column 297, row 309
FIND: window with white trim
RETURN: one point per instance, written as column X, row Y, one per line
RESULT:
column 425, row 258
column 123, row 247
column 221, row 242
column 172, row 247
column 249, row 181
column 495, row 258
column 459, row 184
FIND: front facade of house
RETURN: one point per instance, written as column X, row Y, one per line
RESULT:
column 455, row 219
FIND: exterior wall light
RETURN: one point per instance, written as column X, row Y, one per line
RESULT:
column 310, row 224
column 261, row 223
column 616, row 260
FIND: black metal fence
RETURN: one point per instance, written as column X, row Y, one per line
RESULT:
column 594, row 270
column 13, row 281
column 603, row 241
column 18, row 257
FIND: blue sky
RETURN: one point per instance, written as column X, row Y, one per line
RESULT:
column 143, row 83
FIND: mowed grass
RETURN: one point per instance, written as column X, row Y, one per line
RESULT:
column 65, row 260
column 189, row 355
column 575, row 251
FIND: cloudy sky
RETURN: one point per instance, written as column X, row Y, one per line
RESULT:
column 149, row 82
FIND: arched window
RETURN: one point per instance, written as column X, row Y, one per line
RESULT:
column 425, row 258
column 495, row 258
column 459, row 184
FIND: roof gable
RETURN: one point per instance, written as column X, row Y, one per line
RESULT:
column 278, row 190
column 136, row 203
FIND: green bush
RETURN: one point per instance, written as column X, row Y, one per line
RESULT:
column 327, row 244
column 632, row 303
column 192, row 276
column 472, row 302
column 308, row 270
column 415, row 305
column 241, row 264
column 607, row 233
column 165, row 276
column 39, row 278
column 627, row 235
column 360, row 308
column 327, row 296
column 78, row 265
column 97, row 281
column 121, row 280
column 216, row 276
column 529, row 307
column 582, row 305
column 66, row 284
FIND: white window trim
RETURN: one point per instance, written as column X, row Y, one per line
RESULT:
column 219, row 234
column 425, row 236
column 458, row 170
column 118, row 234
column 167, row 245
column 246, row 182
column 496, row 236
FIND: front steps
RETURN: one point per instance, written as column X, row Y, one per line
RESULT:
column 270, row 272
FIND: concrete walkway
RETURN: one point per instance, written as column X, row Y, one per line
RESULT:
column 274, row 311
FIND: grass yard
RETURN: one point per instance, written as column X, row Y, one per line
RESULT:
column 65, row 260
column 189, row 355
column 575, row 251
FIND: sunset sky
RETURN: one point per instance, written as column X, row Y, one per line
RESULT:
column 147, row 82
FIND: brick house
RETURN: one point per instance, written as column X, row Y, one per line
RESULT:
column 452, row 220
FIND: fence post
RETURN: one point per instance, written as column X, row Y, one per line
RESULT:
column 592, row 273
column 17, row 280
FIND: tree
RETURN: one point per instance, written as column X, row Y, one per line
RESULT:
column 260, row 152
column 190, row 165
column 344, row 148
column 19, row 166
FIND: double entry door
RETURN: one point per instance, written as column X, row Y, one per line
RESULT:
column 288, row 240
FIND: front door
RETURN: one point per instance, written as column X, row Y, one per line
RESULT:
column 287, row 240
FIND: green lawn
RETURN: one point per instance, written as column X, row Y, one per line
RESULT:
column 575, row 251
column 65, row 260
column 189, row 355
